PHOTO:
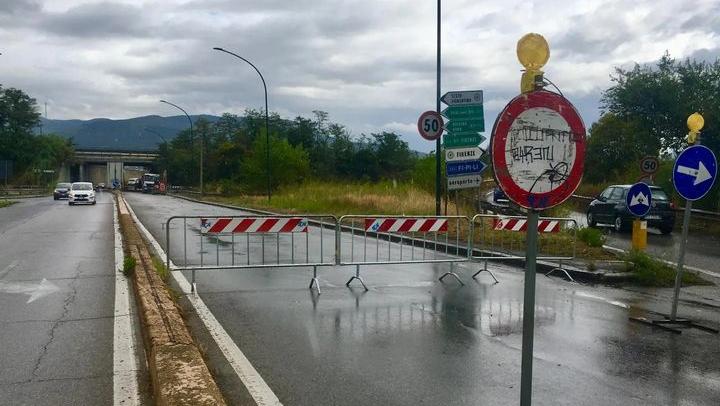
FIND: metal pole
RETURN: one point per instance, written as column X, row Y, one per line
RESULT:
column 681, row 259
column 191, row 140
column 267, row 116
column 438, row 142
column 529, row 311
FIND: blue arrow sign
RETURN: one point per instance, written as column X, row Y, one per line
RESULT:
column 694, row 172
column 639, row 199
column 464, row 167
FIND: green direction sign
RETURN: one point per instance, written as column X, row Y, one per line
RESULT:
column 469, row 140
column 473, row 125
column 468, row 111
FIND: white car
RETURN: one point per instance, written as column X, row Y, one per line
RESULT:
column 81, row 192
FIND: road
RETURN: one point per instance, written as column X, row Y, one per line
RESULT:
column 57, row 295
column 411, row 340
column 703, row 251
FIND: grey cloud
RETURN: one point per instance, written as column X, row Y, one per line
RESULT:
column 18, row 6
column 97, row 21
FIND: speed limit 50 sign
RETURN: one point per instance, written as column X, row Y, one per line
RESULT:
column 649, row 165
column 430, row 125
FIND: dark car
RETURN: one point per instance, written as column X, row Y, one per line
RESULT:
column 61, row 191
column 610, row 207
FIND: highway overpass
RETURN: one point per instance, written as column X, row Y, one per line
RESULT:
column 105, row 166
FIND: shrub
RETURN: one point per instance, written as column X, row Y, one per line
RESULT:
column 128, row 266
column 652, row 272
column 591, row 236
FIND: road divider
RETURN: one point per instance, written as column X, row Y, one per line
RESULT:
column 178, row 372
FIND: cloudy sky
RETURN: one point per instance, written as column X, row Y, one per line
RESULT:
column 369, row 63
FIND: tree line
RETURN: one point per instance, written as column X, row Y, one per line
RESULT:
column 26, row 152
column 644, row 113
column 234, row 152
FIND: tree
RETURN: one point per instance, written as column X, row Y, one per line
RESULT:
column 658, row 99
column 18, row 117
column 614, row 145
column 289, row 164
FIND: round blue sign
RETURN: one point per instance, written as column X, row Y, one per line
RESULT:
column 694, row 172
column 639, row 199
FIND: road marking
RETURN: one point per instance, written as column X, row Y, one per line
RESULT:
column 9, row 268
column 35, row 290
column 125, row 370
column 255, row 384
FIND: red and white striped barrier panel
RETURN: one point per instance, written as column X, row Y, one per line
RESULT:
column 544, row 226
column 406, row 225
column 254, row 225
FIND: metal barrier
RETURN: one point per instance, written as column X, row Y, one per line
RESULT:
column 252, row 242
column 377, row 240
column 503, row 237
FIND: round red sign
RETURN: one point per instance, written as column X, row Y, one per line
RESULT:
column 430, row 125
column 538, row 149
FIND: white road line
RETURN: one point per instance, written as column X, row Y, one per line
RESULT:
column 255, row 384
column 125, row 371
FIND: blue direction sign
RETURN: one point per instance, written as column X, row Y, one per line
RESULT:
column 639, row 199
column 695, row 172
column 464, row 167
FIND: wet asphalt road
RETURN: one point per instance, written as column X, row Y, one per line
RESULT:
column 56, row 303
column 703, row 250
column 411, row 340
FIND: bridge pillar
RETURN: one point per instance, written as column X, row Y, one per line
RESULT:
column 82, row 172
column 115, row 172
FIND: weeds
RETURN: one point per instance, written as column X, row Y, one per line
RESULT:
column 128, row 266
column 6, row 203
column 161, row 269
column 649, row 271
column 592, row 237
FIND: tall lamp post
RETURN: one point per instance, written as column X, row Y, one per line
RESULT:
column 267, row 119
column 191, row 137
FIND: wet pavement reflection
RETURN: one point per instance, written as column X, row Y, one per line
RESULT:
column 412, row 340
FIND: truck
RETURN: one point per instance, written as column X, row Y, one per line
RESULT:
column 148, row 181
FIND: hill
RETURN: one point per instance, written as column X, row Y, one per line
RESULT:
column 132, row 134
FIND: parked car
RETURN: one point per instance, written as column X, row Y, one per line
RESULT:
column 610, row 207
column 81, row 192
column 61, row 191
column 131, row 183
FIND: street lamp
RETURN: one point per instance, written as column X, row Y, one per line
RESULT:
column 191, row 137
column 267, row 119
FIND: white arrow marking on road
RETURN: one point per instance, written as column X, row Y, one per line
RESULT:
column 701, row 174
column 36, row 291
column 639, row 198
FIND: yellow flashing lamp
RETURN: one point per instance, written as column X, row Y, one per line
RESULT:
column 532, row 52
column 695, row 123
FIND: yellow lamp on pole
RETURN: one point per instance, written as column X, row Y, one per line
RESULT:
column 533, row 53
column 695, row 123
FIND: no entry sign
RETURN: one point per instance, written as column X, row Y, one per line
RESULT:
column 538, row 149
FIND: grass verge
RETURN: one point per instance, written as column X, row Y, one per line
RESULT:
column 161, row 269
column 6, row 203
column 651, row 272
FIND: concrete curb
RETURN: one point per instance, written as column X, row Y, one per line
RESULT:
column 178, row 372
column 543, row 267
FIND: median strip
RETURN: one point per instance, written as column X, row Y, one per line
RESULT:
column 178, row 372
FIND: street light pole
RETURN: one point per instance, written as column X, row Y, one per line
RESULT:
column 267, row 118
column 191, row 137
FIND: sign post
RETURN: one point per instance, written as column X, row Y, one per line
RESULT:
column 462, row 152
column 638, row 202
column 693, row 175
column 538, row 154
